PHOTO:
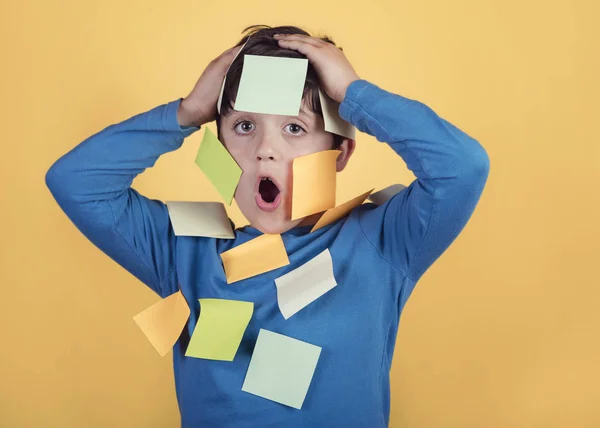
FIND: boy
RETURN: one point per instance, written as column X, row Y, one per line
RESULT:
column 378, row 252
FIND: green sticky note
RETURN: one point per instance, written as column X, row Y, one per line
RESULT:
column 219, row 329
column 281, row 368
column 271, row 85
column 217, row 164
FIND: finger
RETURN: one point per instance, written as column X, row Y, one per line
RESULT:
column 302, row 38
column 300, row 46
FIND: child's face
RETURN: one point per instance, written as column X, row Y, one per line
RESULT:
column 264, row 146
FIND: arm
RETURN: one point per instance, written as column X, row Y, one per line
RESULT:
column 412, row 229
column 92, row 185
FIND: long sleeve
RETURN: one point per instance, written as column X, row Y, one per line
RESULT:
column 92, row 185
column 413, row 228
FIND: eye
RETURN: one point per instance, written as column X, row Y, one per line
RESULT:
column 295, row 129
column 246, row 127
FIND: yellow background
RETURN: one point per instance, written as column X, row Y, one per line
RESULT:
column 501, row 332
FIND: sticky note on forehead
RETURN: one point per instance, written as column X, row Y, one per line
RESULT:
column 314, row 183
column 254, row 257
column 218, row 165
column 163, row 322
column 271, row 85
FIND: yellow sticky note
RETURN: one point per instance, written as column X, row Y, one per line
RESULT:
column 218, row 165
column 314, row 178
column 163, row 322
column 220, row 328
column 340, row 211
column 254, row 257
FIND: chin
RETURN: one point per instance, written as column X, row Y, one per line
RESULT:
column 272, row 227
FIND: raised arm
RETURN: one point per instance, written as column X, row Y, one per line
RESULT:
column 92, row 184
column 412, row 229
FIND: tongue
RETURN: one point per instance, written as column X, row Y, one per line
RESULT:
column 268, row 190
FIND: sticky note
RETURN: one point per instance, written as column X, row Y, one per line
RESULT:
column 333, row 122
column 271, row 85
column 336, row 213
column 302, row 286
column 281, row 368
column 218, row 165
column 220, row 100
column 200, row 219
column 163, row 322
column 220, row 328
column 313, row 183
column 382, row 196
column 259, row 255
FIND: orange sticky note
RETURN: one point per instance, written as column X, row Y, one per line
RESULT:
column 254, row 257
column 340, row 211
column 314, row 183
column 163, row 322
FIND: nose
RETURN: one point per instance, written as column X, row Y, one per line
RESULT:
column 266, row 150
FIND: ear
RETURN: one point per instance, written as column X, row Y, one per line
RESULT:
column 347, row 148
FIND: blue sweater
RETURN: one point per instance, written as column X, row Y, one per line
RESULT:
column 378, row 252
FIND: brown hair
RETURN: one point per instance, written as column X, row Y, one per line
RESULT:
column 261, row 42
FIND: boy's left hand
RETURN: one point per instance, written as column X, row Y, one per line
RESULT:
column 333, row 68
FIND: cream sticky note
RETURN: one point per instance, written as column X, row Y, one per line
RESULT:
column 271, row 85
column 259, row 255
column 200, row 219
column 281, row 368
column 302, row 286
column 333, row 122
column 336, row 213
column 220, row 100
column 218, row 165
column 220, row 328
column 163, row 322
column 382, row 196
column 314, row 183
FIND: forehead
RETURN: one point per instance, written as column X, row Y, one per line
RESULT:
column 305, row 113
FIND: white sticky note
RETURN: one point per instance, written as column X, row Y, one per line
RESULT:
column 200, row 219
column 271, row 85
column 302, row 286
column 333, row 122
column 281, row 368
column 382, row 196
column 225, row 78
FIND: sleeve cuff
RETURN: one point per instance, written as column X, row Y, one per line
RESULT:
column 169, row 119
column 349, row 103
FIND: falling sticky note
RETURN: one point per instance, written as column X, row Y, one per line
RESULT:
column 259, row 255
column 163, row 322
column 333, row 122
column 271, row 85
column 298, row 288
column 314, row 178
column 200, row 219
column 220, row 100
column 218, row 165
column 281, row 368
column 220, row 328
column 382, row 196
column 340, row 211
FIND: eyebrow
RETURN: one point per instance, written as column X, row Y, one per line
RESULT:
column 302, row 111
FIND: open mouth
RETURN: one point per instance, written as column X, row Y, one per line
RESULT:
column 268, row 196
column 268, row 190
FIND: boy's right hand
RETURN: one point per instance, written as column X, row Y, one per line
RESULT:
column 200, row 106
